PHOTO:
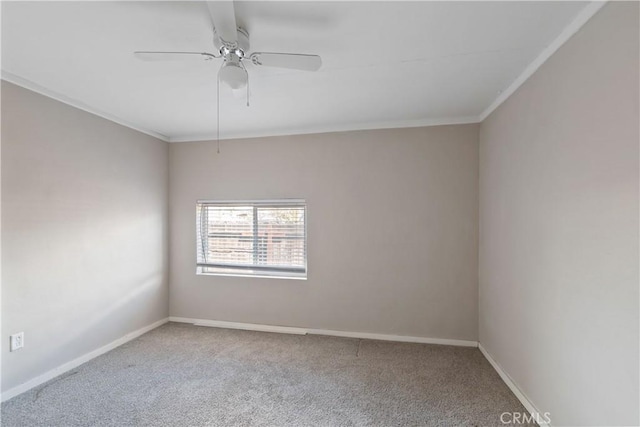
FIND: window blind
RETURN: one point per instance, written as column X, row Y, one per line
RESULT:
column 252, row 238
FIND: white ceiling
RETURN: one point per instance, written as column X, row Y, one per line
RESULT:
column 385, row 64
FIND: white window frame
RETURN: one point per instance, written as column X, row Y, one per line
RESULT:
column 254, row 270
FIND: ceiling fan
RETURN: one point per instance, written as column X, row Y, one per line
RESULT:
column 232, row 44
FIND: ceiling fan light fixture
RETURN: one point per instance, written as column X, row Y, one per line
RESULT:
column 233, row 74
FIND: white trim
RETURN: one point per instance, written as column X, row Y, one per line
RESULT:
column 267, row 202
column 78, row 361
column 243, row 326
column 583, row 17
column 27, row 84
column 256, row 276
column 515, row 389
column 305, row 331
column 396, row 338
column 331, row 128
column 34, row 87
column 573, row 27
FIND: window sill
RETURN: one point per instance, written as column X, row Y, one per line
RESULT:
column 260, row 275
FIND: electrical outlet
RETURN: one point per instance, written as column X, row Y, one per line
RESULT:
column 17, row 341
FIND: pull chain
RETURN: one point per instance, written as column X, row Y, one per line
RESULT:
column 218, row 106
column 218, row 113
column 247, row 92
column 247, row 74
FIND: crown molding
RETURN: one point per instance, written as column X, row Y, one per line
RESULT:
column 583, row 17
column 27, row 84
column 331, row 128
column 34, row 87
column 573, row 27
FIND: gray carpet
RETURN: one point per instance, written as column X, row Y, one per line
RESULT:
column 184, row 375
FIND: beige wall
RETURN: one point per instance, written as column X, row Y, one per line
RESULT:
column 392, row 230
column 85, row 223
column 559, row 228
column 84, row 232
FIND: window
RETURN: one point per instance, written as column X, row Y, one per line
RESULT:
column 258, row 238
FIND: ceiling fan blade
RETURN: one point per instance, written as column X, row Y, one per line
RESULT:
column 294, row 61
column 223, row 16
column 173, row 56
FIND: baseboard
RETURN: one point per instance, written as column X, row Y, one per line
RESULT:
column 396, row 338
column 78, row 361
column 305, row 331
column 538, row 416
column 243, row 326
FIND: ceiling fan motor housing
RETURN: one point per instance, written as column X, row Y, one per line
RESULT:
column 242, row 45
column 232, row 71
